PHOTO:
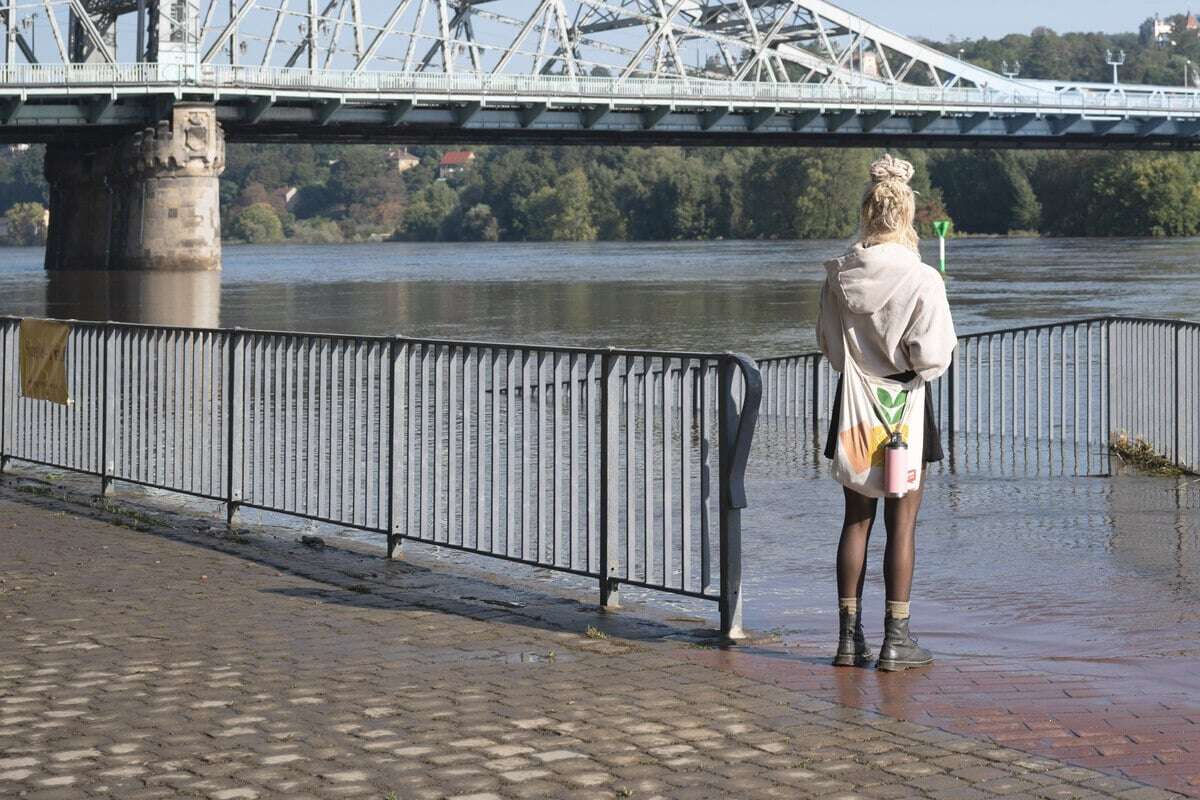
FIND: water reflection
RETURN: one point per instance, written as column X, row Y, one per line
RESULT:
column 681, row 315
column 1156, row 532
column 757, row 297
column 154, row 298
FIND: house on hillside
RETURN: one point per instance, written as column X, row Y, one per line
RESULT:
column 1157, row 31
column 454, row 163
column 403, row 159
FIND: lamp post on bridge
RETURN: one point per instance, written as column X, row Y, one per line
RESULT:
column 1115, row 61
column 1010, row 71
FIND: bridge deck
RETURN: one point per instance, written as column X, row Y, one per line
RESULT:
column 53, row 102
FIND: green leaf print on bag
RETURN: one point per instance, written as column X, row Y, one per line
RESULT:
column 893, row 404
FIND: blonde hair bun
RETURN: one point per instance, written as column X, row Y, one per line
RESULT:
column 889, row 168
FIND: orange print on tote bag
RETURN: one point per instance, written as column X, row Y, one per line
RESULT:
column 872, row 410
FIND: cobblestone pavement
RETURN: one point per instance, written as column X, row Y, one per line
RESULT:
column 1142, row 730
column 148, row 658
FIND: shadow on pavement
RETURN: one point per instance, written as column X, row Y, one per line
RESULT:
column 357, row 576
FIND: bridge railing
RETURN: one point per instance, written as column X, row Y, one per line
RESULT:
column 1049, row 397
column 528, row 88
column 623, row 465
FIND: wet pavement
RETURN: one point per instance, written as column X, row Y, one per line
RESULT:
column 1063, row 608
column 1060, row 573
column 161, row 656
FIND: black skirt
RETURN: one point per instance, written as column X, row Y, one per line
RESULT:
column 933, row 437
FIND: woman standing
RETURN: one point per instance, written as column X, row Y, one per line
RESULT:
column 880, row 301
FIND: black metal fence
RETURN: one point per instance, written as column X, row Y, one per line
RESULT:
column 1046, row 397
column 592, row 462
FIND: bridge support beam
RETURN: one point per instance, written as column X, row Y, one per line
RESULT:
column 148, row 202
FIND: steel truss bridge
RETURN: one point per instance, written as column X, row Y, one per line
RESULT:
column 628, row 71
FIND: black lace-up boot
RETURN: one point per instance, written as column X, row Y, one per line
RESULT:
column 900, row 650
column 852, row 643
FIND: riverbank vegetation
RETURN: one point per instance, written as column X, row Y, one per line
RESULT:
column 329, row 194
column 585, row 193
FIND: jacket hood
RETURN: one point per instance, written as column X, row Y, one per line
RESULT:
column 866, row 278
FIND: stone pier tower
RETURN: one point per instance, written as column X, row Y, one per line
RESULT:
column 148, row 202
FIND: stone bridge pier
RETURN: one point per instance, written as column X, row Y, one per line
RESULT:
column 150, row 201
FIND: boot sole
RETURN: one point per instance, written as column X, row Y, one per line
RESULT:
column 899, row 666
column 852, row 661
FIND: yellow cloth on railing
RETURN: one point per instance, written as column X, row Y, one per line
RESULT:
column 44, row 360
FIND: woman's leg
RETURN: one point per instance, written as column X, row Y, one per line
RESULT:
column 851, row 570
column 900, row 554
column 852, row 549
column 900, row 650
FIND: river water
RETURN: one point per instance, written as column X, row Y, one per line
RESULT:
column 758, row 297
column 1008, row 566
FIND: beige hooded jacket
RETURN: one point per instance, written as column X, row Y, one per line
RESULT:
column 893, row 309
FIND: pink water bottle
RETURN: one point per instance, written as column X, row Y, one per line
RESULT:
column 895, row 466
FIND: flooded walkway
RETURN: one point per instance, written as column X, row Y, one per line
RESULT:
column 161, row 657
column 1094, row 575
column 1062, row 608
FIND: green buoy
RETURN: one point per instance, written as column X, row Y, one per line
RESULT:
column 942, row 229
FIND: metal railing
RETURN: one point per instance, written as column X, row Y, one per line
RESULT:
column 1155, row 386
column 592, row 462
column 1047, row 398
column 1033, row 99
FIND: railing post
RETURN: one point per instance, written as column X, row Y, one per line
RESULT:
column 1177, row 453
column 816, row 395
column 108, row 422
column 234, row 397
column 1109, row 371
column 5, row 333
column 610, row 435
column 952, row 399
column 735, row 432
column 397, row 487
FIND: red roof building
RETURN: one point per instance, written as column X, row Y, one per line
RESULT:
column 454, row 162
column 1192, row 24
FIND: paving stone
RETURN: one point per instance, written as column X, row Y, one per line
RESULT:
column 274, row 678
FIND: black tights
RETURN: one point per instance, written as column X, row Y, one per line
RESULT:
column 900, row 554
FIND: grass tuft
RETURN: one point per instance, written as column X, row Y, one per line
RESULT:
column 1140, row 454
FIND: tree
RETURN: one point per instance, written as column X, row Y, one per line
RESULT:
column 364, row 188
column 479, row 225
column 313, row 200
column 254, row 193
column 804, row 194
column 317, row 230
column 987, row 192
column 830, row 203
column 22, row 178
column 1063, row 182
column 258, row 224
column 425, row 218
column 26, row 224
column 1145, row 195
column 561, row 213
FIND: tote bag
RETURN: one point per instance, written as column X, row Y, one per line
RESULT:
column 872, row 409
